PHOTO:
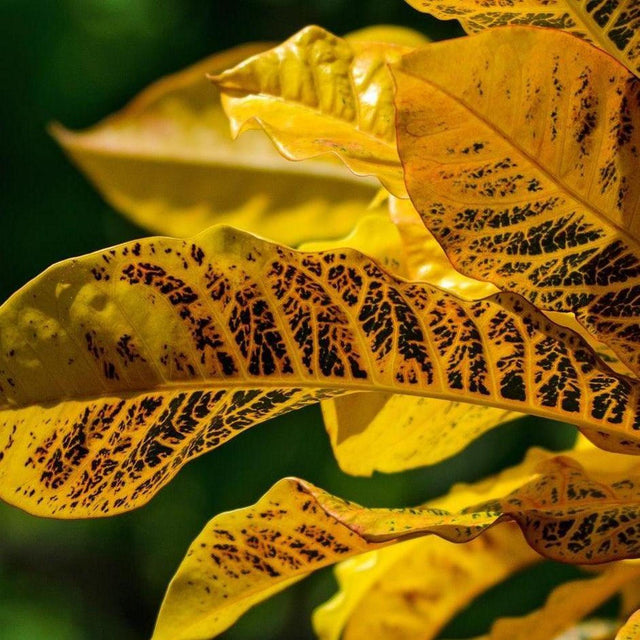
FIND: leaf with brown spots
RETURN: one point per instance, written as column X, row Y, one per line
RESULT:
column 119, row 367
column 612, row 25
column 631, row 630
column 411, row 590
column 522, row 162
column 168, row 162
column 566, row 512
column 317, row 94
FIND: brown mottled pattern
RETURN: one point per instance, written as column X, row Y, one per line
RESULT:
column 612, row 25
column 119, row 367
column 523, row 161
column 244, row 556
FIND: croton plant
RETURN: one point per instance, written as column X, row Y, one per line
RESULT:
column 458, row 245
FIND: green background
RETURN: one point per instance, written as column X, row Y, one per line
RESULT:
column 76, row 61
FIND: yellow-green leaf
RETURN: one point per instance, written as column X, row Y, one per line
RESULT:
column 566, row 605
column 631, row 630
column 119, row 367
column 168, row 162
column 564, row 511
column 613, row 25
column 317, row 94
column 526, row 174
column 409, row 591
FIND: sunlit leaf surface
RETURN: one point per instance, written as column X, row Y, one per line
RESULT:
column 526, row 174
column 566, row 512
column 317, row 94
column 612, row 25
column 167, row 161
column 631, row 630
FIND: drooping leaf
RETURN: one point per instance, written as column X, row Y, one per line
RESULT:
column 631, row 630
column 409, row 591
column 168, row 162
column 612, row 25
column 526, row 174
column 317, row 94
column 567, row 604
column 119, row 367
column 246, row 555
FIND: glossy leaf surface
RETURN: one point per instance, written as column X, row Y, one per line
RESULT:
column 612, row 25
column 119, row 367
column 526, row 174
column 168, row 162
column 564, row 511
column 317, row 94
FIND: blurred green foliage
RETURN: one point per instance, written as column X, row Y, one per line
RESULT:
column 76, row 61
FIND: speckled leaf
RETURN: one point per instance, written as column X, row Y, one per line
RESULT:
column 119, row 367
column 631, row 630
column 409, row 591
column 317, row 94
column 526, row 174
column 612, row 25
column 296, row 528
column 168, row 162
column 567, row 604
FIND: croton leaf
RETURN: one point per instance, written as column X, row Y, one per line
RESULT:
column 411, row 590
column 317, row 94
column 612, row 25
column 242, row 556
column 168, row 162
column 631, row 630
column 118, row 367
column 526, row 175
column 567, row 604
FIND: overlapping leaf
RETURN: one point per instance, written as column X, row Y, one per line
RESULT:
column 119, row 367
column 520, row 148
column 631, row 630
column 167, row 161
column 409, row 591
column 612, row 25
column 565, row 512
column 317, row 94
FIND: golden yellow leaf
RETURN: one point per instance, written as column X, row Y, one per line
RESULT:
column 390, row 432
column 566, row 605
column 409, row 591
column 564, row 511
column 526, row 174
column 612, row 25
column 168, row 162
column 317, row 94
column 389, row 33
column 118, row 367
column 631, row 630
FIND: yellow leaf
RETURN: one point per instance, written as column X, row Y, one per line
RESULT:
column 390, row 432
column 612, row 26
column 119, row 367
column 168, row 162
column 566, row 605
column 409, row 591
column 391, row 34
column 631, row 630
column 317, row 94
column 526, row 174
column 594, row 629
column 295, row 528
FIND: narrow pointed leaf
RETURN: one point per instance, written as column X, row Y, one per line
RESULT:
column 317, row 94
column 526, row 175
column 411, row 590
column 119, row 367
column 569, row 603
column 296, row 528
column 612, row 25
column 168, row 162
column 631, row 630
